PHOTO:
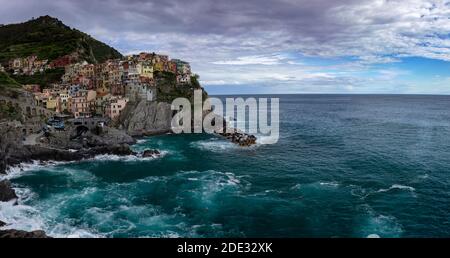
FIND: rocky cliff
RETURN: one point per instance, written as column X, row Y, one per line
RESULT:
column 10, row 144
column 146, row 118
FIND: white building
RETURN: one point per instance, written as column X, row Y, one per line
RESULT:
column 136, row 91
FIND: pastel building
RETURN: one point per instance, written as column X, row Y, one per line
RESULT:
column 101, row 101
column 137, row 91
column 115, row 106
column 32, row 88
column 145, row 69
column 62, row 104
column 182, row 66
column 51, row 103
column 40, row 99
column 83, row 103
column 73, row 89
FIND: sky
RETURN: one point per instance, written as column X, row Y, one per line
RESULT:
column 274, row 46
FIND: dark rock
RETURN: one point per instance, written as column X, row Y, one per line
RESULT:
column 47, row 154
column 146, row 118
column 238, row 137
column 6, row 192
column 2, row 224
column 150, row 153
column 10, row 143
column 12, row 233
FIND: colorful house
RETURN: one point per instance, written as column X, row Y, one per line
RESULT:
column 145, row 69
column 115, row 106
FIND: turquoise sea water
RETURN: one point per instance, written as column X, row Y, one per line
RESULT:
column 345, row 166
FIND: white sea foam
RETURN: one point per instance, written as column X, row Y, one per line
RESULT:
column 358, row 191
column 214, row 145
column 20, row 169
column 329, row 184
column 381, row 225
column 265, row 139
column 27, row 218
column 20, row 217
column 296, row 187
column 127, row 158
column 397, row 186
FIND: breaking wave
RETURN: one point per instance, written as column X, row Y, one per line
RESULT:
column 214, row 145
column 397, row 186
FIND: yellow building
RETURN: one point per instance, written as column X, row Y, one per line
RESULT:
column 52, row 102
column 159, row 66
column 145, row 69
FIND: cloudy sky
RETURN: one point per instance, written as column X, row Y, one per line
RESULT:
column 275, row 46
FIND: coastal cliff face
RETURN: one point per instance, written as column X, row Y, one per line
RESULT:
column 146, row 118
column 10, row 143
column 67, row 139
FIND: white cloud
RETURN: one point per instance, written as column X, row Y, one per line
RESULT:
column 253, row 60
column 239, row 42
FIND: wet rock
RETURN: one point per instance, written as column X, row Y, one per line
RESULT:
column 240, row 138
column 150, row 153
column 51, row 154
column 12, row 233
column 235, row 135
column 6, row 192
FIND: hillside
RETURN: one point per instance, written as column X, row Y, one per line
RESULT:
column 49, row 38
column 168, row 89
column 7, row 81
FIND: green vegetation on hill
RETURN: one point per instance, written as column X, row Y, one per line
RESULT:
column 7, row 81
column 49, row 38
column 9, row 112
column 8, row 88
column 43, row 79
column 169, row 89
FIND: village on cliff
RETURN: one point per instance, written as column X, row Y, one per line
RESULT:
column 101, row 90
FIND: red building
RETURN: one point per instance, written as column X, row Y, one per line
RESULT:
column 62, row 62
column 172, row 67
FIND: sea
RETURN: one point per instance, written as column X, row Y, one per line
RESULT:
column 344, row 166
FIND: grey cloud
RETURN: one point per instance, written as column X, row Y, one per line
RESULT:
column 208, row 31
column 320, row 27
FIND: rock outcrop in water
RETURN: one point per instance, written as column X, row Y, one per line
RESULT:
column 240, row 138
column 235, row 135
column 7, row 193
column 13, row 233
column 150, row 153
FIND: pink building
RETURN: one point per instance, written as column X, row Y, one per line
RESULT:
column 83, row 103
column 115, row 106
